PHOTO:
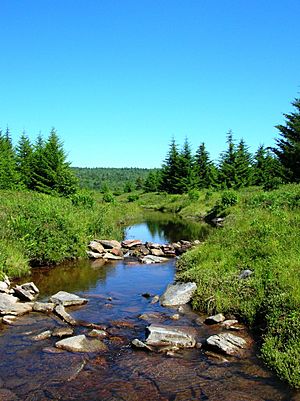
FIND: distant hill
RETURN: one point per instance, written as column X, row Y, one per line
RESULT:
column 115, row 178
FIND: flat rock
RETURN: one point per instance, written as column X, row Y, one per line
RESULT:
column 151, row 316
column 111, row 256
column 179, row 336
column 63, row 332
column 140, row 344
column 109, row 244
column 9, row 319
column 94, row 255
column 16, row 309
column 22, row 294
column 81, row 344
column 44, row 307
column 215, row 319
column 228, row 324
column 31, row 287
column 61, row 312
column 157, row 252
column 226, row 343
column 7, row 300
column 95, row 246
column 66, row 299
column 150, row 259
column 43, row 335
column 178, row 294
column 153, row 245
column 131, row 243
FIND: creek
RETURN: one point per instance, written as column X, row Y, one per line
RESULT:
column 35, row 370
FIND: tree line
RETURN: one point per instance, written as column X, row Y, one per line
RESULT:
column 39, row 166
column 182, row 171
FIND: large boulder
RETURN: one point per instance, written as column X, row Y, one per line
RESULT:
column 81, row 344
column 178, row 294
column 180, row 336
column 226, row 343
column 66, row 299
column 95, row 246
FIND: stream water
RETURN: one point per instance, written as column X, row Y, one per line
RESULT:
column 37, row 371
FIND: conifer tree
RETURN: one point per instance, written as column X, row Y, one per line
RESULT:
column 288, row 146
column 266, row 166
column 24, row 158
column 9, row 176
column 227, row 168
column 152, row 182
column 170, row 179
column 186, row 174
column 243, row 164
column 204, row 168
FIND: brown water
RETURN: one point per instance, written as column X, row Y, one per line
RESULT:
column 35, row 371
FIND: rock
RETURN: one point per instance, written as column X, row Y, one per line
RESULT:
column 110, row 256
column 186, row 243
column 116, row 252
column 196, row 242
column 245, row 274
column 9, row 319
column 67, row 299
column 144, row 251
column 227, row 343
column 61, row 312
column 180, row 336
column 178, row 294
column 157, row 252
column 3, row 286
column 150, row 316
column 131, row 243
column 9, row 305
column 95, row 246
column 44, row 307
column 139, row 344
column 155, row 299
column 42, row 336
column 150, row 259
column 109, row 244
column 153, row 245
column 23, row 295
column 62, row 332
column 176, row 316
column 227, row 324
column 31, row 287
column 81, row 344
column 97, row 333
column 219, row 318
column 94, row 255
column 6, row 280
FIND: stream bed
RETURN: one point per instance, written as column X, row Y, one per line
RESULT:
column 37, row 371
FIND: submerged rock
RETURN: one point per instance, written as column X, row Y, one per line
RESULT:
column 97, row 333
column 178, row 294
column 66, row 299
column 227, row 343
column 140, row 344
column 43, row 335
column 179, row 336
column 62, row 332
column 81, row 344
column 61, row 312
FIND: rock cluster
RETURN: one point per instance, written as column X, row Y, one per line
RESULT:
column 148, row 252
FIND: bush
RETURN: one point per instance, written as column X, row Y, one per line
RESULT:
column 229, row 198
column 132, row 198
column 108, row 197
column 193, row 195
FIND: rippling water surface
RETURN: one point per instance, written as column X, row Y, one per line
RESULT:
column 35, row 370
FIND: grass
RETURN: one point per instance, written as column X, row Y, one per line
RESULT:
column 38, row 229
column 261, row 233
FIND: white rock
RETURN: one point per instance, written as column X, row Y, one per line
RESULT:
column 227, row 343
column 66, row 299
column 180, row 336
column 178, row 294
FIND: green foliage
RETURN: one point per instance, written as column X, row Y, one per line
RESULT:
column 229, row 198
column 288, row 146
column 205, row 170
column 194, row 195
column 132, row 198
column 108, row 197
column 262, row 233
column 9, row 176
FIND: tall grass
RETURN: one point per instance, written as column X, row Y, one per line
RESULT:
column 38, row 229
column 261, row 233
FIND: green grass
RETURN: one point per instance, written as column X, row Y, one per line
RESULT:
column 261, row 233
column 38, row 229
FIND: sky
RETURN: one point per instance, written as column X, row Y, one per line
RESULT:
column 118, row 79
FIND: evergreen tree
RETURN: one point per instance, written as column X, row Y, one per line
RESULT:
column 227, row 168
column 288, row 146
column 152, row 182
column 24, row 158
column 186, row 174
column 204, row 168
column 170, row 179
column 139, row 183
column 266, row 166
column 9, row 176
column 243, row 164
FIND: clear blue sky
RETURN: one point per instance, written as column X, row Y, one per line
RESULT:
column 119, row 78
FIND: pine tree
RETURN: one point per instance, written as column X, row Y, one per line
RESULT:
column 170, row 179
column 24, row 158
column 227, row 168
column 288, row 146
column 266, row 166
column 243, row 164
column 205, row 170
column 186, row 174
column 152, row 182
column 9, row 176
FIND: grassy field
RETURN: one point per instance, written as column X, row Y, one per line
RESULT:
column 38, row 229
column 261, row 233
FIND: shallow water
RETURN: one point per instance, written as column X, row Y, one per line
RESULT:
column 32, row 370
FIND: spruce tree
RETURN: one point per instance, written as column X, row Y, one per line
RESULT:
column 205, row 170
column 288, row 146
column 9, row 176
column 243, row 164
column 152, row 182
column 186, row 174
column 24, row 158
column 170, row 179
column 266, row 167
column 227, row 176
